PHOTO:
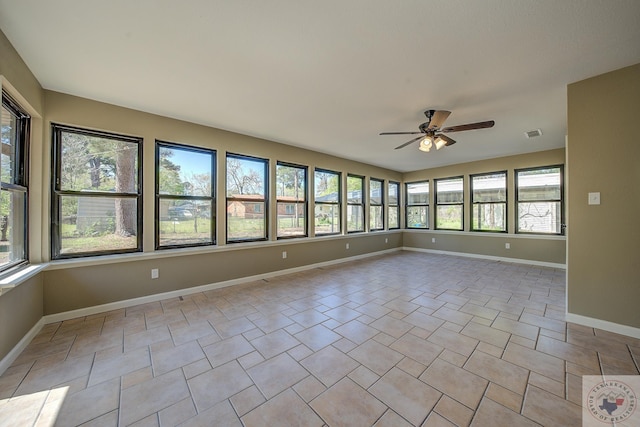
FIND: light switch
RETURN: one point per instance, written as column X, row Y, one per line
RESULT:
column 594, row 198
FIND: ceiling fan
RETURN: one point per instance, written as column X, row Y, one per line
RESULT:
column 430, row 133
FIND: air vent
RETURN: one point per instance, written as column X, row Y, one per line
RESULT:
column 533, row 133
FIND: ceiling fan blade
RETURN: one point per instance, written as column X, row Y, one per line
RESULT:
column 446, row 138
column 409, row 142
column 438, row 119
column 400, row 133
column 469, row 126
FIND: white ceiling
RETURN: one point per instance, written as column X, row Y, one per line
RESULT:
column 331, row 75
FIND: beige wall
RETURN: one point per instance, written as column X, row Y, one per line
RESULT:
column 603, row 153
column 76, row 288
column 80, row 284
column 22, row 307
column 20, row 310
column 543, row 249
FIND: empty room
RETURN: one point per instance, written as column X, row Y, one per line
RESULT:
column 352, row 213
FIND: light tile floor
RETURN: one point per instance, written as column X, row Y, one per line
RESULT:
column 405, row 339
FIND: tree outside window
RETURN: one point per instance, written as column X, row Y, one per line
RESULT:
column 291, row 195
column 417, row 209
column 96, row 194
column 327, row 202
column 449, row 204
column 539, row 193
column 185, row 210
column 489, row 202
column 393, row 198
column 376, row 199
column 246, row 198
column 14, row 140
column 355, row 203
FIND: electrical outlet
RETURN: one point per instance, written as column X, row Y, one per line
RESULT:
column 433, row 240
column 155, row 273
column 507, row 245
column 347, row 246
column 284, row 254
column 386, row 240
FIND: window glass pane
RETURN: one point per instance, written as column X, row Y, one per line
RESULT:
column 355, row 218
column 97, row 224
column 393, row 217
column 13, row 172
column 418, row 193
column 327, row 219
column 327, row 186
column 291, row 182
column 291, row 194
column 489, row 216
column 540, row 217
column 539, row 184
column 100, row 164
column 245, row 220
column 245, row 177
column 418, row 216
column 355, row 201
column 375, row 218
column 394, row 189
column 185, row 222
column 449, row 191
column 375, row 192
column 8, row 137
column 449, row 217
column 394, row 209
column 354, row 189
column 489, row 188
column 12, row 227
column 291, row 219
column 94, row 163
column 184, row 172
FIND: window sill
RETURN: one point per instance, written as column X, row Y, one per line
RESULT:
column 199, row 250
column 489, row 234
column 14, row 278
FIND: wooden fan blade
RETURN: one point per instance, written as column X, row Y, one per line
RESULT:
column 446, row 138
column 438, row 119
column 400, row 133
column 409, row 142
column 469, row 126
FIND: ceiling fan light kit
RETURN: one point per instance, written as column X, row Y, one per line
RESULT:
column 429, row 131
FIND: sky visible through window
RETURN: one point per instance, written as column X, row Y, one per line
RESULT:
column 191, row 162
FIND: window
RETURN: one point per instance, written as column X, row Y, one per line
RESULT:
column 393, row 201
column 449, row 203
column 376, row 200
column 539, row 195
column 291, row 195
column 97, row 198
column 246, row 198
column 13, row 175
column 355, row 203
column 327, row 202
column 417, row 209
column 185, row 204
column 489, row 202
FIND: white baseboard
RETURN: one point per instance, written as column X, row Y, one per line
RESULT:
column 19, row 348
column 489, row 257
column 88, row 311
column 605, row 325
